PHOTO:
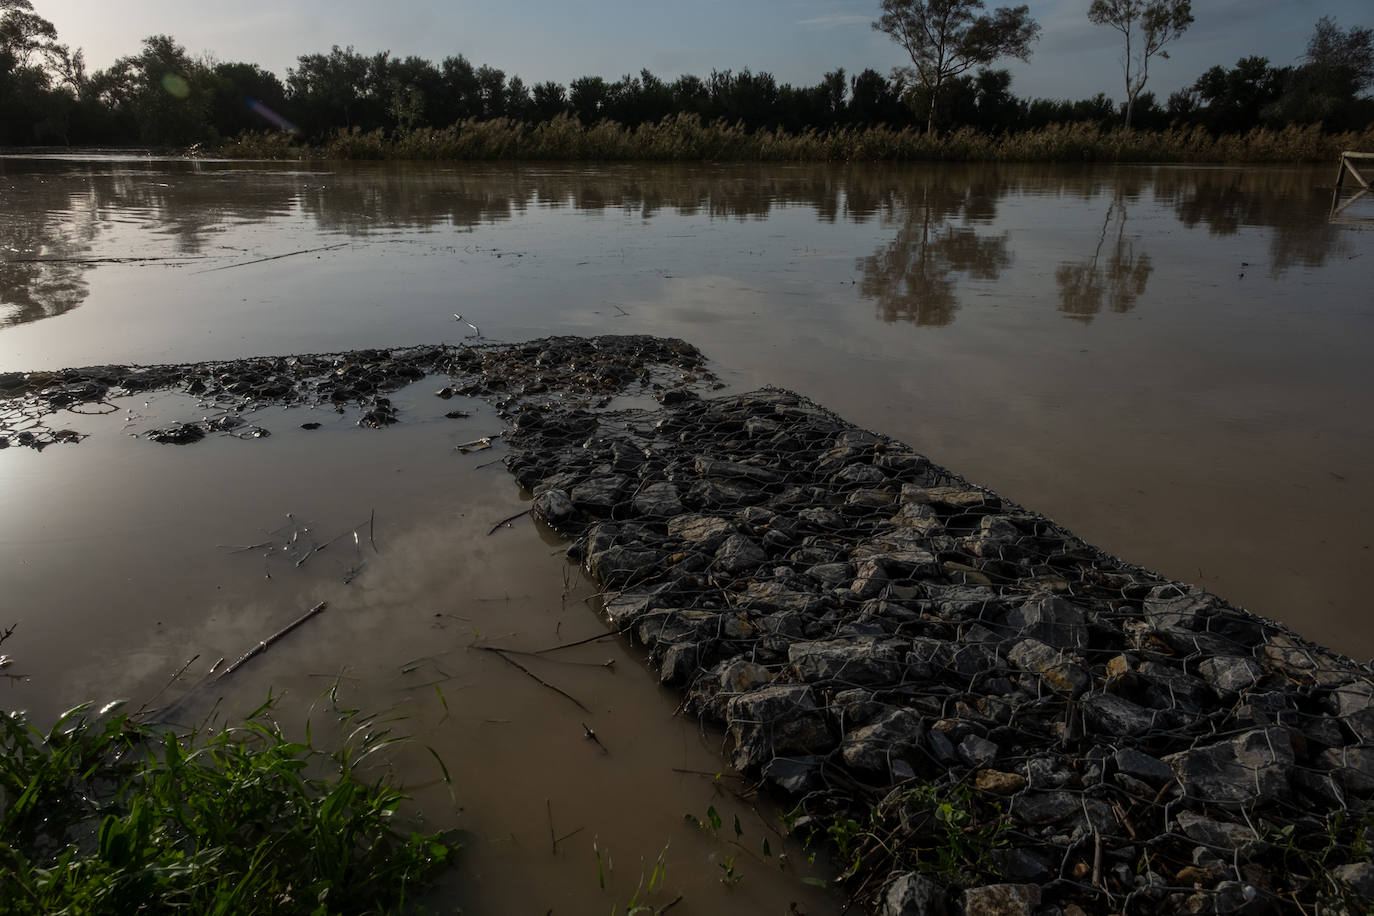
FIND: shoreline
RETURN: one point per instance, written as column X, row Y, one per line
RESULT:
column 885, row 642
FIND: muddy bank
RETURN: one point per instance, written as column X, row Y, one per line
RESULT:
column 954, row 692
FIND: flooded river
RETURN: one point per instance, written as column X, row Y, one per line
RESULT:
column 1175, row 363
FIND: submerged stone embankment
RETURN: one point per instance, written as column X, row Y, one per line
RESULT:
column 974, row 710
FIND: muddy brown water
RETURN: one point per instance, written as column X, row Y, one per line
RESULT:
column 1175, row 363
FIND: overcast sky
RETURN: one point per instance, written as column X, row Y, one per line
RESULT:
column 795, row 40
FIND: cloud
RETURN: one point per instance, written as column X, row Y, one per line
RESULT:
column 835, row 21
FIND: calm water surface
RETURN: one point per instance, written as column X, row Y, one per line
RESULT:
column 1176, row 363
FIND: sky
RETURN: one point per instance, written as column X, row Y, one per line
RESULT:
column 795, row 40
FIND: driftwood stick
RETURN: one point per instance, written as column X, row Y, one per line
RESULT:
column 263, row 646
column 500, row 653
column 371, row 527
column 580, row 642
column 506, row 521
column 553, row 837
column 275, row 257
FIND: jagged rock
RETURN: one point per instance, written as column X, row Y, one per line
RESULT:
column 1108, row 714
column 1354, row 768
column 553, row 507
column 831, row 573
column 599, row 493
column 1054, row 668
column 910, row 894
column 1052, row 621
column 977, row 751
column 703, row 532
column 795, row 775
column 775, row 721
column 894, row 736
column 679, row 664
column 739, row 554
column 658, row 500
column 1142, row 766
column 1032, row 807
column 1002, row 900
column 734, row 470
column 775, row 596
column 995, row 782
column 1230, row 674
column 1254, row 766
column 1172, row 606
column 1216, row 834
column 851, row 661
column 1359, row 877
column 623, row 608
column 870, row 578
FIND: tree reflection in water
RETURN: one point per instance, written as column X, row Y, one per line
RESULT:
column 914, row 277
column 1120, row 279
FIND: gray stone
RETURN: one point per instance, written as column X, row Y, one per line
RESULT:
column 1053, row 621
column 704, row 532
column 1354, row 768
column 870, row 578
column 1056, row 670
column 831, row 573
column 896, row 735
column 775, row 596
column 624, row 608
column 795, row 775
column 1142, row 766
column 910, row 894
column 775, row 721
column 1231, row 896
column 1216, row 834
column 599, row 493
column 668, row 627
column 1359, row 877
column 1254, row 766
column 1172, row 606
column 719, row 494
column 739, row 554
column 919, row 517
column 1048, row 773
column 871, row 498
column 553, row 506
column 1001, row 900
column 1031, row 807
column 949, row 497
column 679, row 664
column 978, row 752
column 734, row 470
column 658, row 500
column 1230, row 675
column 865, row 660
column 739, row 676
column 821, row 518
column 1110, row 715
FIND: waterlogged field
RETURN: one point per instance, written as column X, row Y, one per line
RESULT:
column 1173, row 362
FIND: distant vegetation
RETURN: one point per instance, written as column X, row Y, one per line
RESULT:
column 349, row 104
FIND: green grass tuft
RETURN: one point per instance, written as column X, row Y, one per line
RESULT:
column 101, row 814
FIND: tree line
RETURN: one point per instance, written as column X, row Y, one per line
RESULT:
column 163, row 96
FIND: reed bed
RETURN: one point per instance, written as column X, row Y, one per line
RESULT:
column 687, row 138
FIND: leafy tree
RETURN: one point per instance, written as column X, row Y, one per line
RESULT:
column 587, row 96
column 946, row 38
column 1343, row 57
column 245, row 97
column 328, row 89
column 1234, row 99
column 550, row 100
column 1148, row 27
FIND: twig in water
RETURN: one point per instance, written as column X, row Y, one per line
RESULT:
column 487, row 464
column 371, row 526
column 262, row 646
column 510, row 661
column 553, row 837
column 180, row 672
column 506, row 521
column 275, row 257
column 567, row 836
column 586, row 730
column 580, row 642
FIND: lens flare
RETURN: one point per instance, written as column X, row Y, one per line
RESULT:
column 176, row 85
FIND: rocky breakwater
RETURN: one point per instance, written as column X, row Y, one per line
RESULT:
column 973, row 709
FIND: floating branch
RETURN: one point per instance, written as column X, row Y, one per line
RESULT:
column 263, row 646
column 501, row 654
